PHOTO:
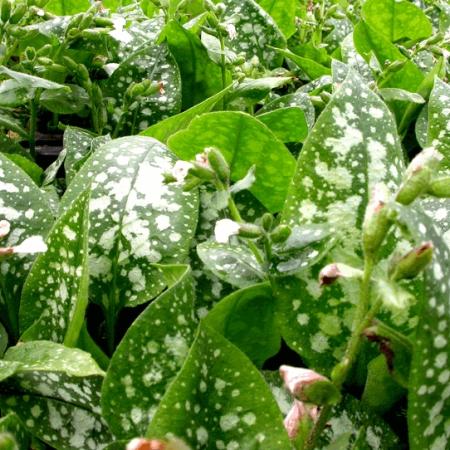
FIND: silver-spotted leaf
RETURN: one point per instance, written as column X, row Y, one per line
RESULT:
column 10, row 423
column 256, row 32
column 27, row 210
column 137, row 220
column 55, row 294
column 353, row 146
column 149, row 357
column 244, row 142
column 219, row 399
column 234, row 264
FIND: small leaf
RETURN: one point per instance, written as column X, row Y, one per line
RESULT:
column 162, row 334
column 216, row 377
column 231, row 263
column 254, row 90
column 29, row 167
column 55, row 294
column 309, row 67
column 247, row 319
column 283, row 13
column 61, row 101
column 243, row 140
column 31, row 81
column 9, row 122
column 390, row 94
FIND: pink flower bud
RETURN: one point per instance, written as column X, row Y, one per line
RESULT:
column 297, row 378
column 296, row 415
column 5, row 227
column 146, row 444
column 330, row 273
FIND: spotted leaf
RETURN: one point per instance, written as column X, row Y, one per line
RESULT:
column 55, row 294
column 353, row 146
column 150, row 62
column 244, row 142
column 149, row 356
column 256, row 31
column 429, row 389
column 216, row 377
column 10, row 423
column 137, row 220
column 233, row 264
column 27, row 210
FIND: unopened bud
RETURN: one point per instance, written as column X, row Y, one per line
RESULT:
column 395, row 66
column 418, row 175
column 103, row 22
column 298, row 414
column 440, row 187
column 44, row 50
column 18, row 13
column 97, row 94
column 44, row 60
column 202, row 172
column 377, row 220
column 267, row 221
column 411, row 264
column 330, row 273
column 82, row 72
column 218, row 164
column 250, row 230
column 70, row 64
column 280, row 234
column 5, row 12
column 86, row 21
column 30, row 53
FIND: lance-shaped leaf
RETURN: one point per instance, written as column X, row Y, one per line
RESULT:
column 219, row 399
column 364, row 429
column 165, row 128
column 150, row 356
column 200, row 76
column 310, row 68
column 244, row 142
column 137, row 220
column 438, row 133
column 150, row 62
column 247, row 319
column 26, row 208
column 396, row 20
column 234, row 264
column 55, row 391
column 31, row 81
column 353, row 146
column 429, row 391
column 55, row 294
column 256, row 31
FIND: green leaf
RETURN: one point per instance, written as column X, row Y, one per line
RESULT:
column 150, row 62
column 61, row 101
column 165, row 128
column 200, row 76
column 3, row 339
column 162, row 334
column 256, row 32
column 9, row 122
column 438, row 209
column 283, row 13
column 390, row 94
column 55, row 294
column 287, row 124
column 366, row 429
column 216, row 377
column 138, row 220
column 12, row 93
column 31, row 81
column 11, row 424
column 233, row 264
column 254, row 90
column 429, row 393
column 438, row 133
column 309, row 67
column 67, row 7
column 243, row 140
column 26, row 208
column 353, row 146
column 397, row 20
column 247, row 319
column 28, row 166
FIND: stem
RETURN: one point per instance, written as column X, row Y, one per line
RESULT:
column 363, row 318
column 33, row 122
column 222, row 67
column 236, row 216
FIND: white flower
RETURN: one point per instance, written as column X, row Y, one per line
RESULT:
column 202, row 158
column 224, row 229
column 33, row 244
column 180, row 170
column 119, row 33
column 110, row 68
column 231, row 30
column 5, row 227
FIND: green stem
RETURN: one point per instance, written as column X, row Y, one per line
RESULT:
column 222, row 67
column 363, row 317
column 33, row 122
column 236, row 216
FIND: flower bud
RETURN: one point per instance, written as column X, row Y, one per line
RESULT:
column 297, row 415
column 202, row 172
column 395, row 66
column 70, row 64
column 418, row 175
column 5, row 11
column 86, row 21
column 218, row 164
column 82, row 72
column 44, row 50
column 377, row 220
column 30, row 53
column 7, row 441
column 411, row 264
column 280, row 234
column 330, row 273
column 249, row 230
column 18, row 13
column 440, row 187
column 267, row 222
column 44, row 60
